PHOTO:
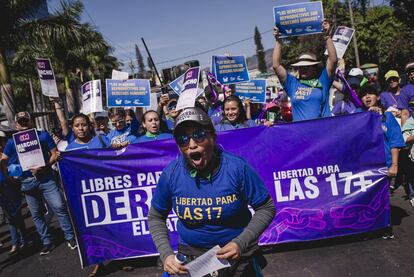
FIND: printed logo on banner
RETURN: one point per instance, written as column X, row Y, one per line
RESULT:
column 24, row 137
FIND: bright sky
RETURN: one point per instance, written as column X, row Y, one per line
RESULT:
column 178, row 28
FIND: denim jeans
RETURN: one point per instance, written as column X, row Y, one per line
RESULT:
column 35, row 191
column 17, row 229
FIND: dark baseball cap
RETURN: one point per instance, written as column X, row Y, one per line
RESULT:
column 21, row 115
column 193, row 114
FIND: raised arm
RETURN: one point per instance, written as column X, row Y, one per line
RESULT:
column 277, row 55
column 332, row 57
column 60, row 115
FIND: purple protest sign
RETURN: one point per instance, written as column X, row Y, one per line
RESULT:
column 29, row 149
column 46, row 77
column 189, row 92
column 326, row 176
column 91, row 97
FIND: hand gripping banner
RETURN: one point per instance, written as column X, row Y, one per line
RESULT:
column 326, row 176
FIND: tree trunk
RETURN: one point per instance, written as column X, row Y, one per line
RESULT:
column 6, row 90
column 70, row 100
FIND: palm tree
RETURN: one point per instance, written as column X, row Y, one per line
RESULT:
column 16, row 30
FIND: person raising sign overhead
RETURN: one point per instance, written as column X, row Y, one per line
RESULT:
column 310, row 92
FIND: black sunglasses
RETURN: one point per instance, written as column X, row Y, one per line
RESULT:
column 198, row 136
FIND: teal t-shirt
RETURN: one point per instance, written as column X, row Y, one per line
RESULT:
column 308, row 102
column 210, row 211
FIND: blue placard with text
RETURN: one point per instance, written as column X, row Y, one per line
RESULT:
column 254, row 90
column 177, row 85
column 299, row 19
column 131, row 93
column 230, row 69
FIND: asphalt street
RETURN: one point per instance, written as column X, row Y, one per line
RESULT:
column 361, row 255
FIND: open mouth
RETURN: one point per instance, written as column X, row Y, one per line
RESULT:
column 195, row 156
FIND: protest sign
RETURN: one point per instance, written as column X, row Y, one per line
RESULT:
column 128, row 93
column 323, row 186
column 46, row 77
column 119, row 75
column 29, row 149
column 91, row 97
column 177, row 85
column 341, row 39
column 299, row 19
column 254, row 90
column 190, row 86
column 230, row 69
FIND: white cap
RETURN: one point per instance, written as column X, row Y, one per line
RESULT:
column 356, row 72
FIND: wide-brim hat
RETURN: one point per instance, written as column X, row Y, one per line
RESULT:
column 306, row 59
column 193, row 114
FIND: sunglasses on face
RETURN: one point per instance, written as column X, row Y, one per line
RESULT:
column 198, row 136
column 118, row 122
column 172, row 107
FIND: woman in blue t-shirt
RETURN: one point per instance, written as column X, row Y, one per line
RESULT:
column 393, row 139
column 151, row 124
column 209, row 190
column 84, row 134
column 234, row 115
column 309, row 93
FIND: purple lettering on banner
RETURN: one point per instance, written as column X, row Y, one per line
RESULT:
column 326, row 176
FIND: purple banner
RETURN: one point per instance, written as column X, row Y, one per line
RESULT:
column 327, row 178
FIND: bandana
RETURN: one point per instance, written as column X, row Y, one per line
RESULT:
column 313, row 83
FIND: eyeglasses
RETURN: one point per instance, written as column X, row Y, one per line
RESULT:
column 198, row 136
column 172, row 107
column 118, row 122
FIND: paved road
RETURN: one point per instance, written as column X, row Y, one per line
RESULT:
column 362, row 255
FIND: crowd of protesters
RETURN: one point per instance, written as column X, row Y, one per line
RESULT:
column 307, row 86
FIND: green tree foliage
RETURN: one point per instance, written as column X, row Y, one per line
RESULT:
column 77, row 51
column 259, row 51
column 382, row 38
column 140, row 62
column 385, row 40
column 403, row 10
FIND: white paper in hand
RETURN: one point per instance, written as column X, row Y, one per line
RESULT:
column 206, row 263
